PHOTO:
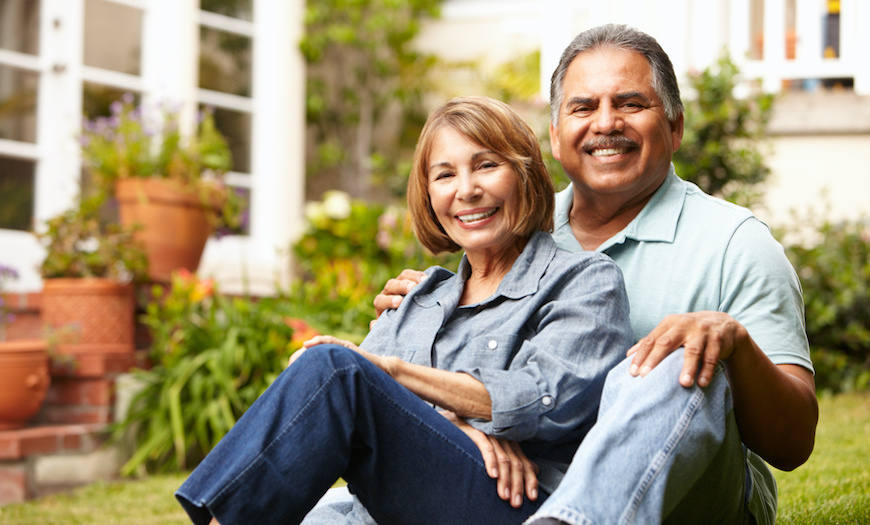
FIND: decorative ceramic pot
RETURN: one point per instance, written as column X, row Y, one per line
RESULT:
column 24, row 380
column 174, row 223
column 90, row 315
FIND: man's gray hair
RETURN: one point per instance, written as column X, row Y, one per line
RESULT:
column 629, row 39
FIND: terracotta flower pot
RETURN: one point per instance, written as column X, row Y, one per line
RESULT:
column 24, row 380
column 90, row 315
column 174, row 222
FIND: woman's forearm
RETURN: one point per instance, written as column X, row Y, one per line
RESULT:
column 455, row 391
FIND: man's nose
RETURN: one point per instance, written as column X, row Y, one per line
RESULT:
column 608, row 120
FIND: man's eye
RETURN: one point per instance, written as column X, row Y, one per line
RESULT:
column 631, row 107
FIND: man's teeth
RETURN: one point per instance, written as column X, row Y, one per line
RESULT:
column 608, row 151
column 476, row 216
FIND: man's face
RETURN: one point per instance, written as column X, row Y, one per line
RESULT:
column 613, row 137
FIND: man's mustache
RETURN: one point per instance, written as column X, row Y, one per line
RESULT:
column 609, row 141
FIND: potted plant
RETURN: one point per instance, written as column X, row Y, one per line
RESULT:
column 169, row 182
column 24, row 376
column 88, row 275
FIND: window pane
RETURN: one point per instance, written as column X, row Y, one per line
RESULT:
column 234, row 8
column 225, row 62
column 16, row 188
column 18, row 89
column 97, row 99
column 236, row 128
column 19, row 26
column 113, row 36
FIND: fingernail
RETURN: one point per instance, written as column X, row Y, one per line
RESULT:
column 632, row 369
column 687, row 379
column 534, row 494
column 645, row 370
column 493, row 473
column 518, row 500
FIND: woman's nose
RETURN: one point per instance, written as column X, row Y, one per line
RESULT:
column 468, row 187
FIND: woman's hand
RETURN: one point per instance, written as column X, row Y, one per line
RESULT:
column 380, row 361
column 505, row 461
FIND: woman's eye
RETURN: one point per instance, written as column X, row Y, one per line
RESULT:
column 488, row 165
column 443, row 175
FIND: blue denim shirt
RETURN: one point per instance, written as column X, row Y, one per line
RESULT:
column 541, row 344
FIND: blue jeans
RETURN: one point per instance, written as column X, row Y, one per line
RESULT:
column 658, row 452
column 334, row 414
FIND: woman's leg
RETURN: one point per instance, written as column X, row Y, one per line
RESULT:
column 334, row 414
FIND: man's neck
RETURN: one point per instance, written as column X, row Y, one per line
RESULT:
column 595, row 219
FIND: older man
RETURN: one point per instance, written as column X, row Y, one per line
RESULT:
column 721, row 377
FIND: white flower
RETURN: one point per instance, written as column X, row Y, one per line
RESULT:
column 336, row 204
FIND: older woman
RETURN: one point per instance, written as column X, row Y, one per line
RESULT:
column 516, row 344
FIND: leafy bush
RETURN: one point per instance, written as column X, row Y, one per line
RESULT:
column 212, row 357
column 724, row 135
column 350, row 249
column 835, row 274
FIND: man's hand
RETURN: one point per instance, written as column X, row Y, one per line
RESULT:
column 396, row 289
column 707, row 337
column 505, row 461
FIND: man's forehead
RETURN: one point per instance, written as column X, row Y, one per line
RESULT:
column 620, row 70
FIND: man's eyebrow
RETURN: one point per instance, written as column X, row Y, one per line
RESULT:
column 630, row 95
column 579, row 100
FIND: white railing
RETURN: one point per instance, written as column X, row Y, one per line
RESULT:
column 778, row 63
column 695, row 33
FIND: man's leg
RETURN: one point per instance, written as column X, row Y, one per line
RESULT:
column 653, row 444
column 334, row 414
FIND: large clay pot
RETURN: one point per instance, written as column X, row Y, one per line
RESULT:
column 174, row 223
column 24, row 380
column 90, row 315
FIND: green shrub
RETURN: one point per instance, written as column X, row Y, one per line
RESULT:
column 835, row 274
column 212, row 356
column 724, row 139
column 350, row 249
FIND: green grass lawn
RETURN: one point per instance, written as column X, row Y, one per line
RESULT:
column 833, row 487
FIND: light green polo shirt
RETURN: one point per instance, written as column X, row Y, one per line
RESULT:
column 686, row 252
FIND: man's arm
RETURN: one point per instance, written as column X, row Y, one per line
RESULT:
column 775, row 406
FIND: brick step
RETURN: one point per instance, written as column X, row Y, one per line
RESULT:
column 40, row 460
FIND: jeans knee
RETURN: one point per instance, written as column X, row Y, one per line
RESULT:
column 329, row 357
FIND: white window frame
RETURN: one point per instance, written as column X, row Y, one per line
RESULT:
column 256, row 263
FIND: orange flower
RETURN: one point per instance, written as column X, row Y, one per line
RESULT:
column 302, row 332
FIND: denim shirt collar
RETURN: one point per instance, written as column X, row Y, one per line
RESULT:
column 523, row 278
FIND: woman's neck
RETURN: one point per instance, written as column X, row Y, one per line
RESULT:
column 487, row 272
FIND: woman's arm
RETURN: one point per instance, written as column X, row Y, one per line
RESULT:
column 457, row 392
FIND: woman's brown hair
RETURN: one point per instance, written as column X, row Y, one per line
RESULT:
column 497, row 127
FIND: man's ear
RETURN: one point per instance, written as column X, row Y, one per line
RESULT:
column 554, row 142
column 677, row 127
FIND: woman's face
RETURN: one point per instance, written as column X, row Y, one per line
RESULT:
column 474, row 193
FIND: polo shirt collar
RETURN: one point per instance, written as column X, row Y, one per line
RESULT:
column 656, row 222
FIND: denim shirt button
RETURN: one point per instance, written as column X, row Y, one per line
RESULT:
column 493, row 344
column 547, row 401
